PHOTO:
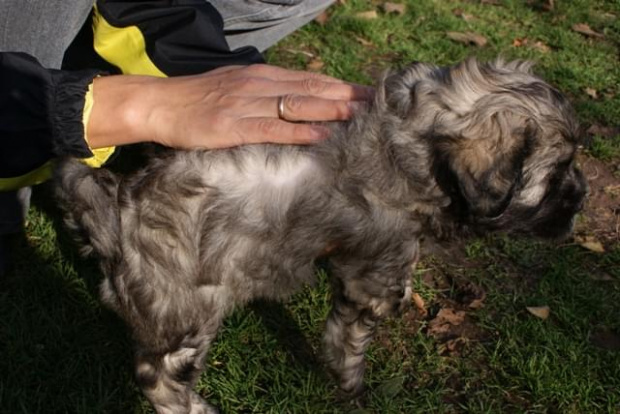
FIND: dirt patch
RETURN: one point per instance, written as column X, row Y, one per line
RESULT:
column 601, row 215
column 451, row 319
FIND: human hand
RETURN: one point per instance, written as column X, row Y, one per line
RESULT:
column 229, row 106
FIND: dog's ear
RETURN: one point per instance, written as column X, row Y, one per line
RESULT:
column 488, row 124
column 482, row 168
column 398, row 89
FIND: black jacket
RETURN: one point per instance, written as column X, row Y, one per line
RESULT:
column 41, row 109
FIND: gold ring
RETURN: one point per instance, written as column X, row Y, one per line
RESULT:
column 281, row 108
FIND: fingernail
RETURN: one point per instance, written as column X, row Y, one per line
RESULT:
column 320, row 132
column 356, row 106
column 366, row 93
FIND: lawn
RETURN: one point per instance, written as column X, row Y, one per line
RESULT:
column 500, row 324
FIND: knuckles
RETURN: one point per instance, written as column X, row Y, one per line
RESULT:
column 313, row 86
column 266, row 126
column 248, row 84
column 258, row 69
column 292, row 106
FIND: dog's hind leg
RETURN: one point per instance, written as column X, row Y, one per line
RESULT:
column 88, row 197
column 167, row 379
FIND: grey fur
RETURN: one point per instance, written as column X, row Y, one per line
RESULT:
column 474, row 147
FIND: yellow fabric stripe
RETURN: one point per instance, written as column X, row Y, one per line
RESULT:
column 37, row 176
column 123, row 47
column 100, row 155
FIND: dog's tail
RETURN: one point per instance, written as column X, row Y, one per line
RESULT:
column 88, row 198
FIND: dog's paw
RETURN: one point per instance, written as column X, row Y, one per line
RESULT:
column 352, row 388
column 200, row 406
column 356, row 397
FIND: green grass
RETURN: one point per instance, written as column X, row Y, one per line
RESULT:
column 606, row 149
column 61, row 352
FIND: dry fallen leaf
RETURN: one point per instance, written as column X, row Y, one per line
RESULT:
column 601, row 277
column 549, row 5
column 594, row 246
column 363, row 41
column 322, row 18
column 477, row 303
column 612, row 190
column 394, row 8
column 315, row 65
column 300, row 52
column 465, row 16
column 367, row 15
column 541, row 46
column 452, row 346
column 591, row 92
column 468, row 38
column 450, row 316
column 585, row 29
column 590, row 243
column 444, row 322
column 541, row 312
column 419, row 303
column 519, row 42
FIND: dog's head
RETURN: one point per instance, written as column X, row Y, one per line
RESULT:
column 502, row 143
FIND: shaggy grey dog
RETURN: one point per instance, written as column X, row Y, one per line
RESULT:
column 474, row 147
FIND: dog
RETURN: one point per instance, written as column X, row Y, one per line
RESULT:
column 441, row 151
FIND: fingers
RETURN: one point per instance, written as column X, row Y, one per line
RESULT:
column 308, row 108
column 308, row 86
column 282, row 74
column 238, row 105
column 297, row 108
column 265, row 80
column 311, row 83
column 263, row 130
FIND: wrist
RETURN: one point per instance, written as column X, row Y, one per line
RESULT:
column 120, row 110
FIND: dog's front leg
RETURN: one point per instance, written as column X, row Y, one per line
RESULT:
column 363, row 295
column 348, row 333
column 167, row 378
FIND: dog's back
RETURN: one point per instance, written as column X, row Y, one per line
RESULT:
column 194, row 219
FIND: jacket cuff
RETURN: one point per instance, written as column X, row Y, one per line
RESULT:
column 67, row 99
column 100, row 155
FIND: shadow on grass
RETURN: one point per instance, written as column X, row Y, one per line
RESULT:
column 60, row 351
column 280, row 324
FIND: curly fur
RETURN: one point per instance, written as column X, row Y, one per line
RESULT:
column 474, row 147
